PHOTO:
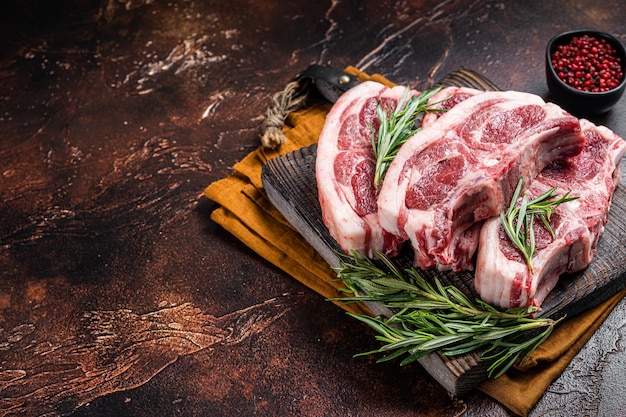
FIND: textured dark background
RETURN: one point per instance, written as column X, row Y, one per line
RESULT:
column 119, row 296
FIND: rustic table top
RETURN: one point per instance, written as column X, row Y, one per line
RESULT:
column 118, row 294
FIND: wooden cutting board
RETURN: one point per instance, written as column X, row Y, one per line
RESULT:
column 290, row 184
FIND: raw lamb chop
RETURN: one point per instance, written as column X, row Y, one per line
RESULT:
column 345, row 169
column 502, row 277
column 464, row 167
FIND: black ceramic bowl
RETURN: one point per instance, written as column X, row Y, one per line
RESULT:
column 575, row 100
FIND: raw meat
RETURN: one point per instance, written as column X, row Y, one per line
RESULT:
column 502, row 276
column 446, row 99
column 345, row 169
column 464, row 167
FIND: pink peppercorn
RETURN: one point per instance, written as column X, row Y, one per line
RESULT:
column 588, row 64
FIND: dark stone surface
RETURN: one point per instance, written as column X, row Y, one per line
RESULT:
column 119, row 296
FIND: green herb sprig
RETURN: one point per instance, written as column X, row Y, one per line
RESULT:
column 518, row 219
column 430, row 317
column 396, row 127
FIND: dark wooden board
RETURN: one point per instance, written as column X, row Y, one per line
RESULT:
column 290, row 184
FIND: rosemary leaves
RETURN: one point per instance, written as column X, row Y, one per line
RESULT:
column 429, row 317
column 518, row 220
column 396, row 127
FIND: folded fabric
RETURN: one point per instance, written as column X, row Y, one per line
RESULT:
column 520, row 389
column 245, row 211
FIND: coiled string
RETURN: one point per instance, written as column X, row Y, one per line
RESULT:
column 290, row 99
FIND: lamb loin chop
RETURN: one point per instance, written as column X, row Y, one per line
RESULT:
column 503, row 278
column 344, row 169
column 463, row 168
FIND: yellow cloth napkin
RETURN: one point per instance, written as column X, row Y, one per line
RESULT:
column 246, row 213
column 520, row 389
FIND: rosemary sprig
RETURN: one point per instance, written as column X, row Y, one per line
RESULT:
column 518, row 220
column 430, row 317
column 396, row 127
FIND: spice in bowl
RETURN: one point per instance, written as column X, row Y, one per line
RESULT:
column 585, row 71
column 588, row 64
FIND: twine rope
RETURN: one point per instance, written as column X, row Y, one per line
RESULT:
column 284, row 102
